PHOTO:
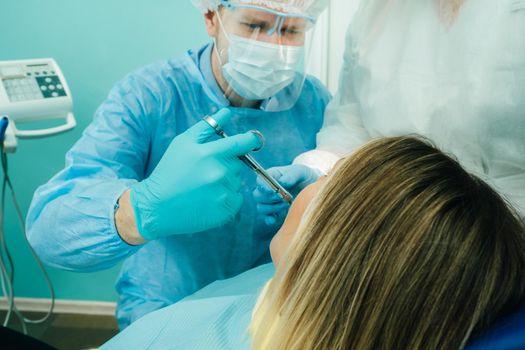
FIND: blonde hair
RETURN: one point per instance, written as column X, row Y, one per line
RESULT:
column 401, row 249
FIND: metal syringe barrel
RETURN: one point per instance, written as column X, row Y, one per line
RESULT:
column 253, row 164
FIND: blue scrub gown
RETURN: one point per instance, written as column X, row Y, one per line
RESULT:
column 71, row 219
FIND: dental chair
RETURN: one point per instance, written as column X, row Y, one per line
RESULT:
column 507, row 334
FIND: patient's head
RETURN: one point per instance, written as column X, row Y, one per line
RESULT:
column 400, row 249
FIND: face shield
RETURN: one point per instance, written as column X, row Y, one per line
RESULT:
column 263, row 52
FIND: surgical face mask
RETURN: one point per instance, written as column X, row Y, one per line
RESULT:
column 257, row 70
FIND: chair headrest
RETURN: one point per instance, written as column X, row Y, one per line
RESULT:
column 509, row 333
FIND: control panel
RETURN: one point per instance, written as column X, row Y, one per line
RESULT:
column 31, row 82
column 35, row 90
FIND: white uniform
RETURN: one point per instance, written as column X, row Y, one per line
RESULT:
column 462, row 85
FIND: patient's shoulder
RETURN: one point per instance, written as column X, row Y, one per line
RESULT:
column 248, row 283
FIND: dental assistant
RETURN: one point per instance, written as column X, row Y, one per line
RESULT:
column 451, row 70
column 149, row 182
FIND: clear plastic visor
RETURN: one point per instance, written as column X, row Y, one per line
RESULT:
column 266, row 24
column 264, row 53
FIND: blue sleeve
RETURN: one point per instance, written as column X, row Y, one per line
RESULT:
column 323, row 95
column 70, row 223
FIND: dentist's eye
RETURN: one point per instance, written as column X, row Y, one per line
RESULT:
column 254, row 26
column 290, row 31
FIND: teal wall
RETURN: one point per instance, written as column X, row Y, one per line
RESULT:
column 96, row 43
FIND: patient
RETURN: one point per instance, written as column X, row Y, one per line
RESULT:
column 398, row 248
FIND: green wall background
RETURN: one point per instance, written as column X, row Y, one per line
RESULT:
column 95, row 43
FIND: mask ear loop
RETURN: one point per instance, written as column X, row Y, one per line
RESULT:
column 222, row 25
column 219, row 56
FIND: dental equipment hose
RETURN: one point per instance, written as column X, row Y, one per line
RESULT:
column 253, row 164
column 7, row 268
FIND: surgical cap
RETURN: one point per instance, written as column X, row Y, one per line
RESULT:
column 312, row 8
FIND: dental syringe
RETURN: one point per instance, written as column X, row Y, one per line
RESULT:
column 253, row 164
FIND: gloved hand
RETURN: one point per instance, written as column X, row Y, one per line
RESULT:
column 292, row 177
column 196, row 184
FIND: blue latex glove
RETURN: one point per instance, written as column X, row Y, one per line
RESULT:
column 196, row 184
column 292, row 177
